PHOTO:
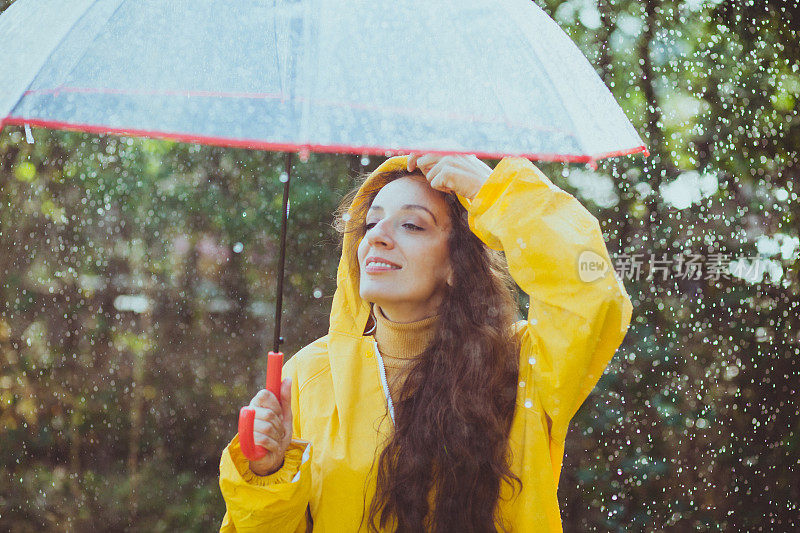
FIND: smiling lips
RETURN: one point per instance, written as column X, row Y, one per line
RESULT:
column 378, row 264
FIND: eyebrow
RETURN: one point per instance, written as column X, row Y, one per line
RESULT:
column 409, row 206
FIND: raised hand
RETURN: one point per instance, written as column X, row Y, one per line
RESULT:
column 463, row 174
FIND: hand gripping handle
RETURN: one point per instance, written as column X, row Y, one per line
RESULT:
column 247, row 414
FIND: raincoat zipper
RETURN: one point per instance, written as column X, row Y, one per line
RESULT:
column 384, row 383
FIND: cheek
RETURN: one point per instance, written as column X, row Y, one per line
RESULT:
column 443, row 263
column 439, row 249
column 362, row 250
column 436, row 261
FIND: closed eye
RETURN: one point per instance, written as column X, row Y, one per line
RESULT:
column 409, row 225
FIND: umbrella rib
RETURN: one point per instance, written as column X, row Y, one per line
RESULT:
column 277, row 47
column 48, row 56
column 306, row 77
column 470, row 44
column 88, row 44
column 94, row 37
column 519, row 36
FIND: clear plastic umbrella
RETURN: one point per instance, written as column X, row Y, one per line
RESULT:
column 488, row 78
column 454, row 76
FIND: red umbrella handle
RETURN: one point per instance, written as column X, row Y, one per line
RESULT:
column 247, row 415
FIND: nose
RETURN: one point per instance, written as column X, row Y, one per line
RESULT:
column 378, row 234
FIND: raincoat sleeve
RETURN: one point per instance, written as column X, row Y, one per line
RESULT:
column 579, row 310
column 277, row 502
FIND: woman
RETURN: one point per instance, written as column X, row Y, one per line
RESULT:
column 426, row 407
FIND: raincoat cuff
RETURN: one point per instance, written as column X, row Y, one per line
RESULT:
column 295, row 456
column 506, row 171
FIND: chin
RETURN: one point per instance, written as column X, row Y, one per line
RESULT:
column 377, row 296
column 371, row 295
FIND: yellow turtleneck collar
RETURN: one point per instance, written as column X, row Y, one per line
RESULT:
column 400, row 343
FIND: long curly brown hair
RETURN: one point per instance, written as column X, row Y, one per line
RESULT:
column 457, row 402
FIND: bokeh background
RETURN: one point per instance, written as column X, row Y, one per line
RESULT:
column 137, row 294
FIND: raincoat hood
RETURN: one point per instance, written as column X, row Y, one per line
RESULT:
column 350, row 313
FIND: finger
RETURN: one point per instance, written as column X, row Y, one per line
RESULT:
column 268, row 415
column 439, row 176
column 266, row 441
column 471, row 163
column 463, row 161
column 256, row 401
column 425, row 162
column 438, row 183
column 286, row 404
column 260, row 399
column 266, row 399
column 412, row 162
column 436, row 169
column 273, row 428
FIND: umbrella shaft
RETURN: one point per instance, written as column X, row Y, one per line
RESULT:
column 282, row 259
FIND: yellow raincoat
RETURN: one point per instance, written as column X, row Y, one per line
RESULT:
column 576, row 321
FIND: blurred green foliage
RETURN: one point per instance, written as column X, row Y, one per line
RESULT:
column 138, row 287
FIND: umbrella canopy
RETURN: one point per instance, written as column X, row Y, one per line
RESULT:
column 456, row 76
column 465, row 76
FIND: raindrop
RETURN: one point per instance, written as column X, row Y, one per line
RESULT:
column 238, row 247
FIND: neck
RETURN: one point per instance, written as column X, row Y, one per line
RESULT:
column 405, row 315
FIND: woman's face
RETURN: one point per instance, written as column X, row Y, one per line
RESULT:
column 404, row 257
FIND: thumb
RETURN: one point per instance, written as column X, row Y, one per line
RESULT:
column 286, row 405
